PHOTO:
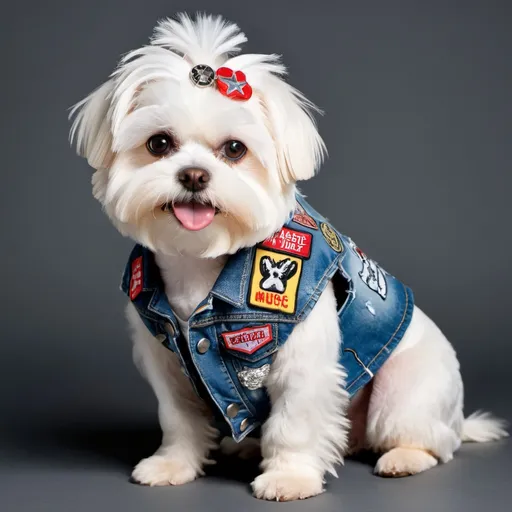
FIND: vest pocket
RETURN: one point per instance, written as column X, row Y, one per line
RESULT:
column 249, row 342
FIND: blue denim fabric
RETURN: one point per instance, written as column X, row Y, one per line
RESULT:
column 374, row 311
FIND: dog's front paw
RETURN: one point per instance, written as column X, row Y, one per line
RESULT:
column 281, row 485
column 161, row 470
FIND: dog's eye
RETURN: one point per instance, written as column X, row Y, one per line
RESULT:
column 160, row 144
column 234, row 149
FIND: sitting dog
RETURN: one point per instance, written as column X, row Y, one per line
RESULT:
column 253, row 318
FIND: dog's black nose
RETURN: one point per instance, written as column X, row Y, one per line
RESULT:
column 194, row 179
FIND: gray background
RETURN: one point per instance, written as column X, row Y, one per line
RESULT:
column 418, row 124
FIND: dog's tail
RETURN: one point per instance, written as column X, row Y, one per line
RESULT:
column 481, row 427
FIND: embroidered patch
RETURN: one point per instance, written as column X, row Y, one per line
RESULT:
column 254, row 378
column 249, row 339
column 291, row 242
column 371, row 274
column 136, row 278
column 331, row 237
column 275, row 281
column 301, row 217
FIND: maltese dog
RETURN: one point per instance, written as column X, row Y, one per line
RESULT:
column 259, row 326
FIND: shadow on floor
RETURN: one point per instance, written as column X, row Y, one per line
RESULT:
column 109, row 446
column 115, row 445
column 120, row 447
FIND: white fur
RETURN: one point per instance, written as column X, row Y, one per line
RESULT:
column 307, row 431
column 411, row 411
column 187, row 437
column 481, row 427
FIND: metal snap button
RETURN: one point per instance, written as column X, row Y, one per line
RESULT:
column 203, row 345
column 232, row 410
column 244, row 424
column 160, row 338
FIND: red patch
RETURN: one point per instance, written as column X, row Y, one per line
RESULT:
column 360, row 253
column 136, row 279
column 291, row 242
column 249, row 339
column 302, row 218
column 233, row 84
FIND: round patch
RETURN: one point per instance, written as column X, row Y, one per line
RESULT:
column 331, row 237
column 202, row 75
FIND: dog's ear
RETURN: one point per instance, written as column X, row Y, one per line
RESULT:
column 289, row 117
column 289, row 268
column 266, row 266
column 91, row 130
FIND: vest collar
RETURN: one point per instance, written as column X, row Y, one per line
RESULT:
column 233, row 281
column 231, row 286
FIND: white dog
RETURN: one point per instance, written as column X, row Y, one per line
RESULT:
column 197, row 153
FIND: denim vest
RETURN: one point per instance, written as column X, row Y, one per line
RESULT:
column 260, row 295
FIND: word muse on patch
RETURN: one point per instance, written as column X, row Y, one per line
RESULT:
column 274, row 281
column 249, row 339
column 290, row 241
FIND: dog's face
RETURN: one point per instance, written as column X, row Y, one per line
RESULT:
column 276, row 274
column 185, row 169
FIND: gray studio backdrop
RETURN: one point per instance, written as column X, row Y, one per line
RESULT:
column 418, row 127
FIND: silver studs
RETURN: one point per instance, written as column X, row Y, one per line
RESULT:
column 202, row 75
column 203, row 345
column 244, row 424
column 160, row 338
column 232, row 410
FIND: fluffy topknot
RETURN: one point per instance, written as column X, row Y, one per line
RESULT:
column 206, row 39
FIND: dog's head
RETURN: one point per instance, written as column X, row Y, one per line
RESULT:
column 187, row 168
column 276, row 274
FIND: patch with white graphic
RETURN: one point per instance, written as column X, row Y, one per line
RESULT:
column 291, row 242
column 301, row 217
column 136, row 278
column 249, row 339
column 276, row 273
column 274, row 281
column 371, row 274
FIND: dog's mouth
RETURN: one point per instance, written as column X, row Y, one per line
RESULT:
column 192, row 215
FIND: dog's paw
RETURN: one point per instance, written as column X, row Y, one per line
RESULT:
column 160, row 470
column 400, row 462
column 287, row 485
column 249, row 448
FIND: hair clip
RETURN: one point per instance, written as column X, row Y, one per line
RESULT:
column 232, row 84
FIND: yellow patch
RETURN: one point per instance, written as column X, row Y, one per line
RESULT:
column 275, row 281
column 331, row 237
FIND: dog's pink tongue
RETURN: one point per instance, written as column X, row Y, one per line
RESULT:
column 194, row 216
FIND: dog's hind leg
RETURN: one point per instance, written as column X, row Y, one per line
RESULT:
column 415, row 416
